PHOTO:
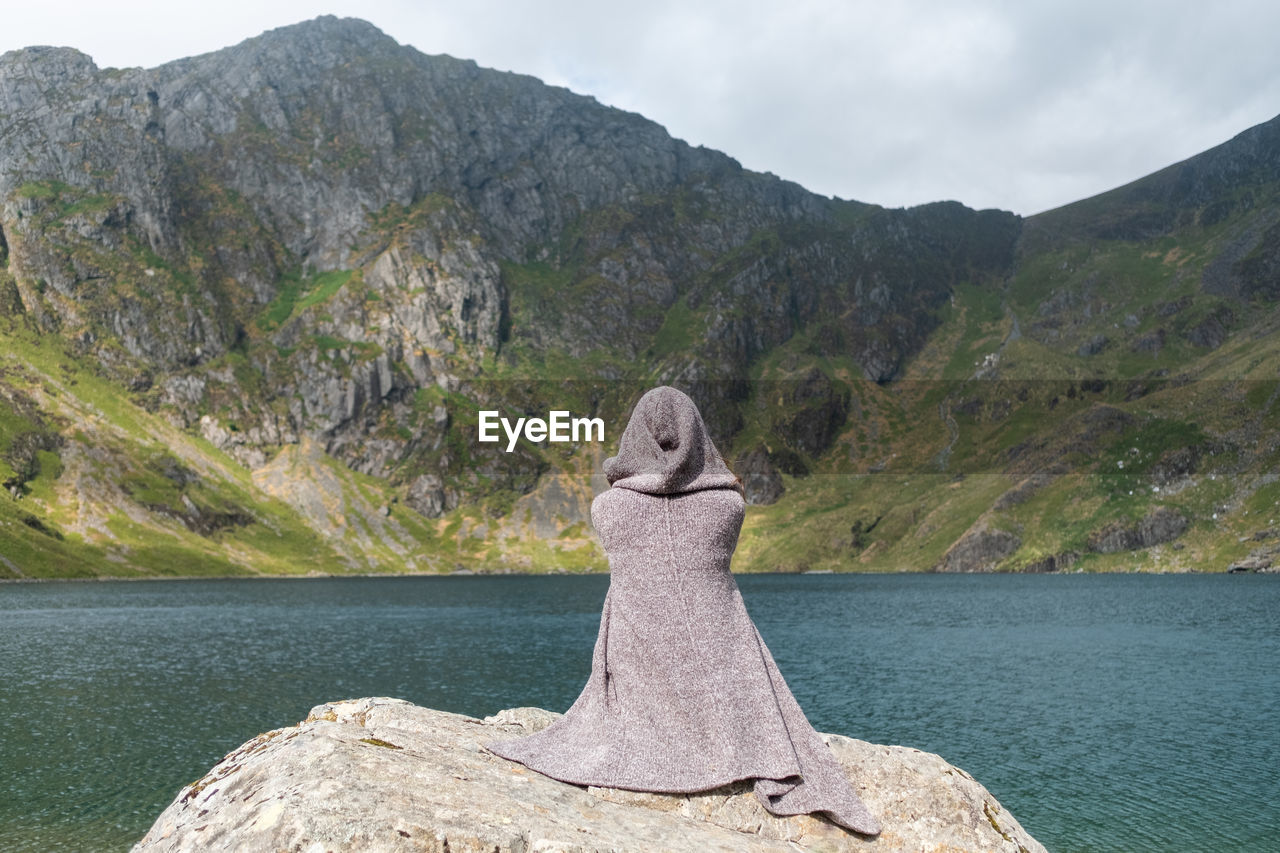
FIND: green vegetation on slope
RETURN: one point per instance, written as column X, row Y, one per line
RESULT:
column 1094, row 388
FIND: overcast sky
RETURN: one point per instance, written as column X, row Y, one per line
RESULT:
column 1019, row 105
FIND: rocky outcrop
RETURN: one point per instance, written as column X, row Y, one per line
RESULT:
column 814, row 412
column 761, row 482
column 1080, row 436
column 1265, row 558
column 1212, row 331
column 1093, row 346
column 980, row 549
column 1052, row 563
column 1023, row 491
column 1175, row 465
column 382, row 774
column 1160, row 525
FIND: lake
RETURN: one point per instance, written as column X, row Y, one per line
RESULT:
column 1107, row 712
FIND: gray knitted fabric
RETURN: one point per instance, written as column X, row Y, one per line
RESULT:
column 683, row 694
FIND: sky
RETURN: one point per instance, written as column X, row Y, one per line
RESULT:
column 1023, row 106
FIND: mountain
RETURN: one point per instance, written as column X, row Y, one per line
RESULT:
column 253, row 302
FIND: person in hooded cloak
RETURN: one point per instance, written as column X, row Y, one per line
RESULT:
column 683, row 695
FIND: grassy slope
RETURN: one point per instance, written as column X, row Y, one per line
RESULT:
column 100, row 500
column 922, row 506
column 999, row 392
column 112, row 499
column 1034, row 395
column 115, row 498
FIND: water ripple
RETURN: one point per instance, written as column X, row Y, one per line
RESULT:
column 1109, row 713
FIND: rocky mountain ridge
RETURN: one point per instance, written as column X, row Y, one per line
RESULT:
column 262, row 294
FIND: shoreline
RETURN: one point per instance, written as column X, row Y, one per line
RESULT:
column 308, row 576
column 468, row 573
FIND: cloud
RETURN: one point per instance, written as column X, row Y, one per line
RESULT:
column 1023, row 106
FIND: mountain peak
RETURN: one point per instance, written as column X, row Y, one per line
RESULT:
column 48, row 60
column 328, row 27
column 309, row 46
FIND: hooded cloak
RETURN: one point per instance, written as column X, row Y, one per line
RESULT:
column 683, row 694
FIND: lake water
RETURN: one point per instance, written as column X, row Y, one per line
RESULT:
column 1108, row 713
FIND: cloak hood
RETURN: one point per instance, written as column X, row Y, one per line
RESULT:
column 665, row 449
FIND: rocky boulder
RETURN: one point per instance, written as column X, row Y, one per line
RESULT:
column 383, row 774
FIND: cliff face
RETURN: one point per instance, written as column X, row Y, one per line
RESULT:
column 318, row 254
column 320, row 190
column 384, row 774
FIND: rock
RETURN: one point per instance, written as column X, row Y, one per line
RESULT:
column 1151, row 342
column 428, row 497
column 1156, row 527
column 1173, row 307
column 1052, row 563
column 814, row 412
column 1264, row 559
column 761, row 482
column 1260, row 270
column 1212, row 331
column 1079, row 436
column 1023, row 491
column 1093, row 346
column 383, row 774
column 1175, row 465
column 980, row 549
column 327, row 495
column 559, row 502
column 10, row 297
